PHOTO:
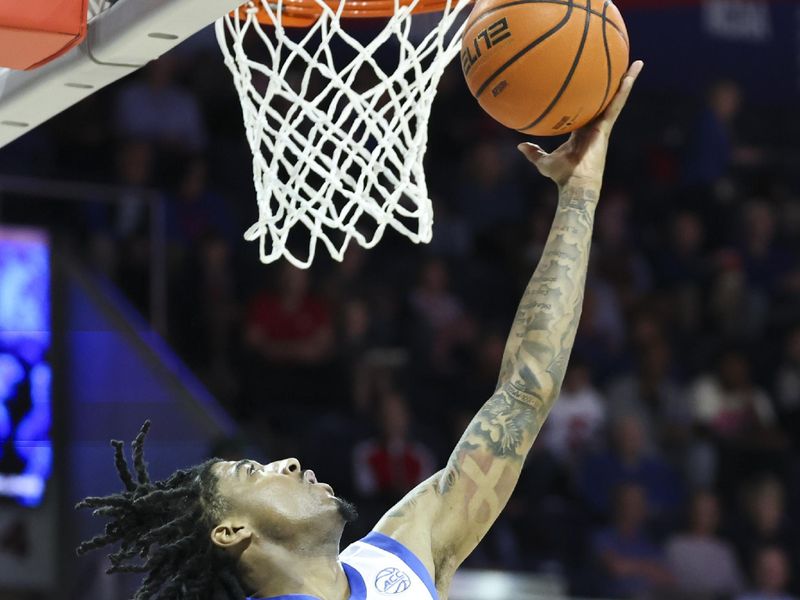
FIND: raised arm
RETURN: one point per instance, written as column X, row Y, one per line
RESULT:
column 461, row 502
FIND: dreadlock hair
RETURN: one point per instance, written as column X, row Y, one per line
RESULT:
column 163, row 528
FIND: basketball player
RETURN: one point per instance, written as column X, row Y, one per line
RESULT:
column 234, row 529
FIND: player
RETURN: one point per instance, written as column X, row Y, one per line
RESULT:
column 236, row 529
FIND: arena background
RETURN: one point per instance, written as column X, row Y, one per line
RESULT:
column 674, row 445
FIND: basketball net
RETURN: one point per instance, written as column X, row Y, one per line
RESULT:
column 338, row 140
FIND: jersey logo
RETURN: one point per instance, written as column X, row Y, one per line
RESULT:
column 392, row 581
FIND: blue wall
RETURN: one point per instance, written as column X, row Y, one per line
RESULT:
column 119, row 374
column 687, row 45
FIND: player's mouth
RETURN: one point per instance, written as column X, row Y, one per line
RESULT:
column 310, row 477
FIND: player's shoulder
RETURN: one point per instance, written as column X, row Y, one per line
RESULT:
column 388, row 566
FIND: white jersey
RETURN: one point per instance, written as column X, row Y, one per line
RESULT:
column 380, row 568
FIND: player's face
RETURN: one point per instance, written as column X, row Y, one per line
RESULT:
column 279, row 499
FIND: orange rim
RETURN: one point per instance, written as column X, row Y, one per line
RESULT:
column 303, row 13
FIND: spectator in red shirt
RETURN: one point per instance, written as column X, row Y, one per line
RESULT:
column 390, row 464
column 289, row 335
column 290, row 325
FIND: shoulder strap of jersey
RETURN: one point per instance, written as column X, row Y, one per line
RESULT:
column 392, row 546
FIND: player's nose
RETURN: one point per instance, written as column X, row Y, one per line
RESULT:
column 289, row 466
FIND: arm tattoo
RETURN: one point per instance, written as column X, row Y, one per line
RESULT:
column 407, row 504
column 503, row 428
column 546, row 322
column 486, row 462
column 502, row 425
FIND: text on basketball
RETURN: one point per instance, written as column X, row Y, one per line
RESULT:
column 484, row 40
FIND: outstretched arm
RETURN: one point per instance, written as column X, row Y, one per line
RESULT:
column 461, row 502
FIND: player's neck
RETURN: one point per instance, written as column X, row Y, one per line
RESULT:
column 312, row 569
column 320, row 577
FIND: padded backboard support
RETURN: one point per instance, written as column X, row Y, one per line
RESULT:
column 118, row 41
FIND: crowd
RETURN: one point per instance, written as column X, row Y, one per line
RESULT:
column 670, row 462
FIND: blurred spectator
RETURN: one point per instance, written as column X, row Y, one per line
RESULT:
column 710, row 152
column 628, row 461
column 156, row 109
column 751, row 271
column 787, row 387
column 290, row 324
column 536, row 232
column 432, row 299
column 575, row 425
column 289, row 333
column 631, row 563
column 736, row 425
column 734, row 312
column 728, row 402
column 135, row 168
column 442, row 314
column 391, row 464
column 489, row 198
column 348, row 277
column 195, row 212
column 481, row 378
column 615, row 255
column 684, row 269
column 453, row 239
column 553, row 532
column 208, row 316
column 765, row 261
column 602, row 328
column 772, row 573
column 703, row 564
column 119, row 241
column 647, row 328
column 682, row 262
column 201, row 233
column 355, row 339
column 656, row 399
column 128, row 216
column 354, row 330
column 765, row 522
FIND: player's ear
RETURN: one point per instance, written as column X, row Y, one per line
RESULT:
column 229, row 535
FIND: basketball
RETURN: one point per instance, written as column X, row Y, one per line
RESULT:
column 544, row 67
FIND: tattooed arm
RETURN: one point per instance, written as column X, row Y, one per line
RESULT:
column 444, row 518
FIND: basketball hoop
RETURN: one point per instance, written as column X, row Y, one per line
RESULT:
column 338, row 139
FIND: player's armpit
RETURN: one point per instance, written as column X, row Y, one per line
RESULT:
column 410, row 521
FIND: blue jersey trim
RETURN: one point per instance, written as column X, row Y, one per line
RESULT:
column 288, row 597
column 384, row 542
column 358, row 589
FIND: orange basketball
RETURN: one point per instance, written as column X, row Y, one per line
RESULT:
column 544, row 67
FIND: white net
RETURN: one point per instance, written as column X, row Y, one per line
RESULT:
column 98, row 6
column 337, row 125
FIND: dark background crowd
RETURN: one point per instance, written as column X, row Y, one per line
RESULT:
column 670, row 461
